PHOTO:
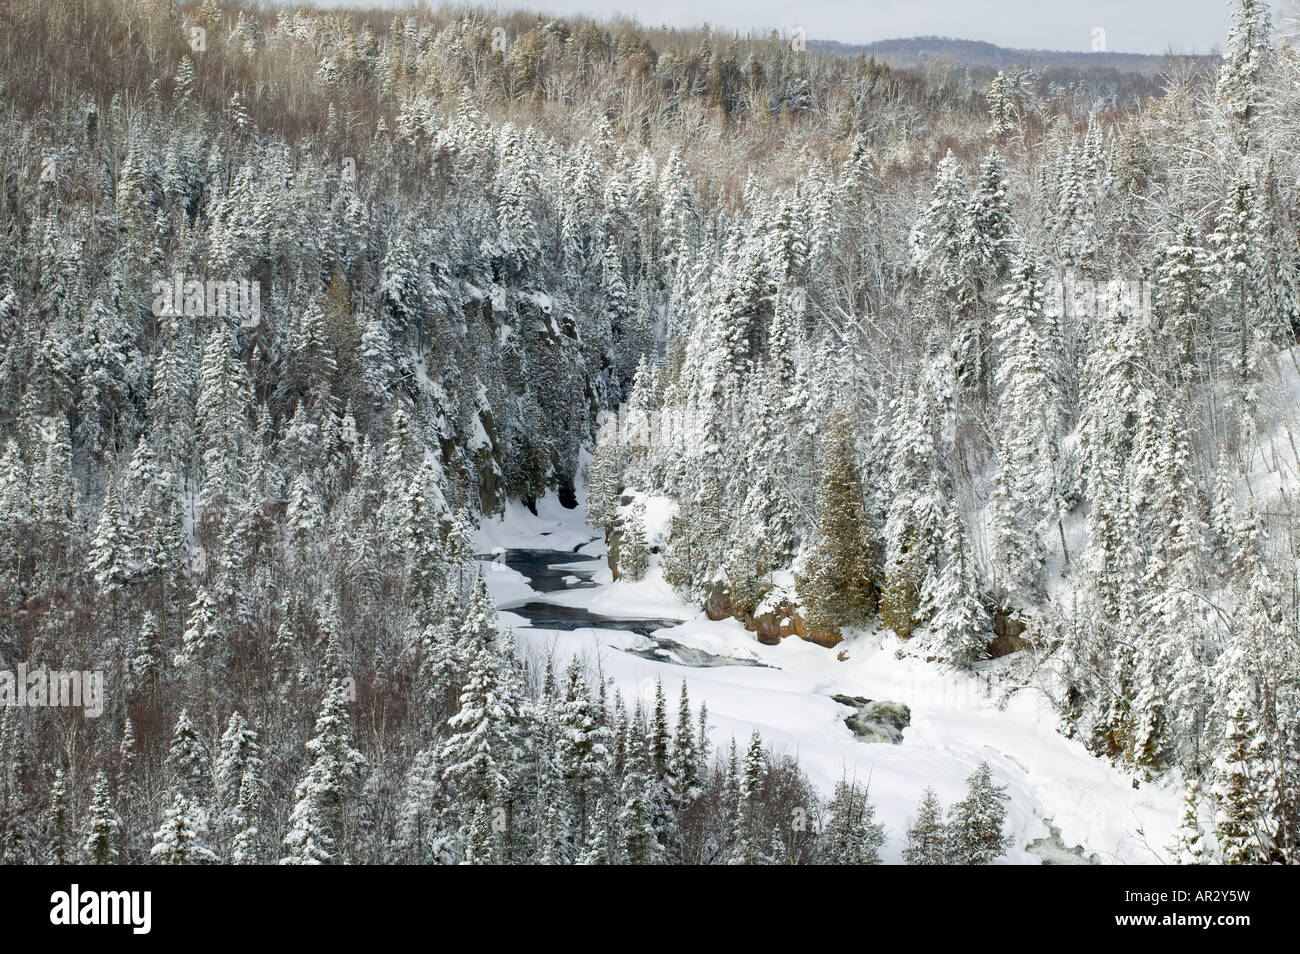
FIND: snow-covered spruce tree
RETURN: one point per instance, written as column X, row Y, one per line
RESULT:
column 943, row 253
column 748, row 834
column 991, row 218
column 638, row 841
column 633, row 549
column 187, row 762
column 927, row 839
column 597, row 849
column 1240, row 816
column 1028, row 424
column 419, row 526
column 56, row 826
column 912, row 481
column 975, row 824
column 1171, row 654
column 1184, row 280
column 481, row 756
column 1189, row 846
column 320, row 824
column 237, row 779
column 130, row 798
column 1245, row 66
column 422, row 836
column 113, row 549
column 1075, row 221
column 1260, row 663
column 765, row 537
column 582, row 749
column 688, row 761
column 1115, row 393
column 552, row 816
column 605, row 478
column 102, row 825
column 638, row 424
column 1237, row 245
column 679, row 217
column 694, row 558
column 960, row 622
column 838, row 584
column 15, row 501
column 182, row 837
column 246, row 846
column 1002, row 112
column 851, row 835
column 221, row 425
column 202, row 642
column 517, row 238
column 992, row 247
column 665, row 798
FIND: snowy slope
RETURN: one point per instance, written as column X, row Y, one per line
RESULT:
column 956, row 721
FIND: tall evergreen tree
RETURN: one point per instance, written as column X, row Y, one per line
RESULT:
column 975, row 826
column 838, row 585
column 319, row 826
column 927, row 839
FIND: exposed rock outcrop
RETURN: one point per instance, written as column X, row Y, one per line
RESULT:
column 1008, row 634
column 1054, row 851
column 770, row 626
column 614, row 540
column 876, row 721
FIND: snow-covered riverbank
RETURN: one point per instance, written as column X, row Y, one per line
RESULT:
column 955, row 721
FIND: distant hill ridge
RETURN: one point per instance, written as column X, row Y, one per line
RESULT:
column 913, row 51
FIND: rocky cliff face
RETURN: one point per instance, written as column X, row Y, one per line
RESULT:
column 770, row 627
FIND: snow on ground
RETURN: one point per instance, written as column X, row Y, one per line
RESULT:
column 956, row 721
column 552, row 528
column 657, row 512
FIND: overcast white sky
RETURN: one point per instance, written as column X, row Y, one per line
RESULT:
column 1132, row 26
